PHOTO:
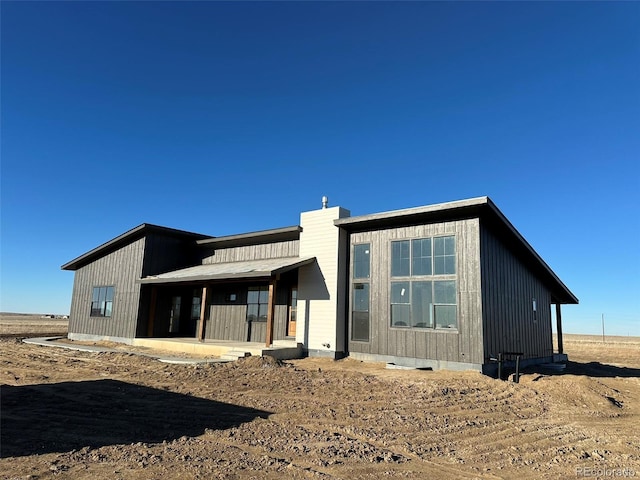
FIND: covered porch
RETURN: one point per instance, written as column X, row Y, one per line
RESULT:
column 223, row 305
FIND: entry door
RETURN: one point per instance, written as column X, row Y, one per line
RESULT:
column 292, row 317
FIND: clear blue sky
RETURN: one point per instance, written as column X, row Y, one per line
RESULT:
column 222, row 118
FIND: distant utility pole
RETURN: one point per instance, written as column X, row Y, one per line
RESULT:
column 603, row 328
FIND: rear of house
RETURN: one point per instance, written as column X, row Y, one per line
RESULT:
column 442, row 286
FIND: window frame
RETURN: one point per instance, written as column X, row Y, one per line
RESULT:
column 436, row 280
column 104, row 305
column 260, row 289
column 357, row 283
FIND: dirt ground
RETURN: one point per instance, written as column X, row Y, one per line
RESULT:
column 68, row 414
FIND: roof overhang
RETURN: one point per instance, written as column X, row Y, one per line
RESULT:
column 253, row 238
column 489, row 215
column 125, row 239
column 250, row 269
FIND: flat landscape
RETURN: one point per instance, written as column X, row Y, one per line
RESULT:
column 77, row 415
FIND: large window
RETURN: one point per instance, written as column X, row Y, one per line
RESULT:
column 423, row 285
column 257, row 304
column 360, row 296
column 102, row 302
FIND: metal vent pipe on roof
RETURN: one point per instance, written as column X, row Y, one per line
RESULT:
column 325, row 201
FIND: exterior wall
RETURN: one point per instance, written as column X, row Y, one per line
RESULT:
column 321, row 285
column 164, row 254
column 508, row 290
column 253, row 252
column 228, row 320
column 439, row 347
column 119, row 269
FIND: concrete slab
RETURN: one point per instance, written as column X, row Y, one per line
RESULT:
column 52, row 342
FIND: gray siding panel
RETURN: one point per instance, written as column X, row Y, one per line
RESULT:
column 508, row 290
column 254, row 252
column 465, row 345
column 228, row 320
column 119, row 269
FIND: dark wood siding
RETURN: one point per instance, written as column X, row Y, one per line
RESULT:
column 119, row 269
column 464, row 345
column 508, row 290
column 228, row 320
column 165, row 253
column 253, row 252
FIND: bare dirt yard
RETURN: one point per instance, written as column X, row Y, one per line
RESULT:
column 67, row 414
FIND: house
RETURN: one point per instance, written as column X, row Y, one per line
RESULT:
column 450, row 285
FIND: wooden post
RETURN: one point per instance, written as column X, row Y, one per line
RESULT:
column 152, row 310
column 271, row 310
column 559, row 327
column 203, row 313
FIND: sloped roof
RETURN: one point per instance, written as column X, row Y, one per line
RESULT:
column 232, row 270
column 125, row 239
column 480, row 207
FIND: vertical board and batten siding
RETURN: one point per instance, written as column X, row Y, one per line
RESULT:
column 228, row 320
column 508, row 290
column 463, row 345
column 253, row 252
column 119, row 269
column 165, row 253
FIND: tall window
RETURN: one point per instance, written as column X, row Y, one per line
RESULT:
column 360, row 296
column 257, row 304
column 102, row 301
column 423, row 285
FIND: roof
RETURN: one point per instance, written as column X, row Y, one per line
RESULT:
column 125, row 239
column 254, row 238
column 232, row 270
column 480, row 207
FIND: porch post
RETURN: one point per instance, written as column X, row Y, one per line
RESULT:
column 559, row 326
column 152, row 310
column 203, row 312
column 271, row 307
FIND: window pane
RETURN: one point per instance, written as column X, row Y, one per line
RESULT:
column 438, row 246
column 103, row 294
column 253, row 295
column 446, row 316
column 449, row 245
column 360, row 313
column 262, row 312
column 400, row 292
column 95, row 309
column 96, row 294
column 252, row 312
column 444, row 292
column 109, row 293
column 400, row 315
column 421, row 256
column 361, row 297
column 400, row 261
column 421, row 304
column 108, row 308
column 264, row 295
column 361, row 264
column 444, row 255
column 360, row 326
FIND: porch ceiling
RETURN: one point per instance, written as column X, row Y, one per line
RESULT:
column 230, row 271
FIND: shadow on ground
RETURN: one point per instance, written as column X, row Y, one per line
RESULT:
column 591, row 369
column 61, row 417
